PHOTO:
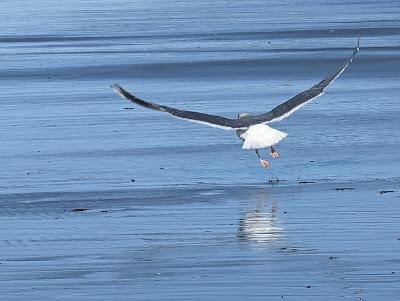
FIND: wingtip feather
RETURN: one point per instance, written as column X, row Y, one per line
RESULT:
column 118, row 89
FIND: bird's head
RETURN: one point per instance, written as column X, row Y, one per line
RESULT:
column 242, row 115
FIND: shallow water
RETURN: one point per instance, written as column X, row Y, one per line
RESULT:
column 183, row 199
column 208, row 242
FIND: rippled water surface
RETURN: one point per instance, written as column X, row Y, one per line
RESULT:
column 178, row 210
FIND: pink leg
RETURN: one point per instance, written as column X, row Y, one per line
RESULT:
column 264, row 163
column 274, row 153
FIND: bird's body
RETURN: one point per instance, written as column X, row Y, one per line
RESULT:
column 260, row 136
column 252, row 129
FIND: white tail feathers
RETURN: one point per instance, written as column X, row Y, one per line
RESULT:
column 261, row 136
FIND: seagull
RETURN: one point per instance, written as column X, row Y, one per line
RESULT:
column 251, row 129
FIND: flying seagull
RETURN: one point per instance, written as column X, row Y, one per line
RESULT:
column 251, row 129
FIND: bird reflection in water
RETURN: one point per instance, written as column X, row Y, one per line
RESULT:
column 261, row 225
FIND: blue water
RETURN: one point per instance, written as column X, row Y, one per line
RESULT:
column 178, row 210
column 62, row 128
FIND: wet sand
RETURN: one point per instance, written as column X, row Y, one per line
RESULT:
column 102, row 200
column 323, row 241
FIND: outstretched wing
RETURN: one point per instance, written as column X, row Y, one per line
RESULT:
column 211, row 120
column 292, row 105
column 278, row 113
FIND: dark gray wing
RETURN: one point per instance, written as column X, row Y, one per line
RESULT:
column 211, row 120
column 289, row 107
column 278, row 113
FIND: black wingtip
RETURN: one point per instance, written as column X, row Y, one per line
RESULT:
column 356, row 50
column 125, row 94
column 121, row 92
column 117, row 88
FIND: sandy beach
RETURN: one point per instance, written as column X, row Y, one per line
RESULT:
column 103, row 200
